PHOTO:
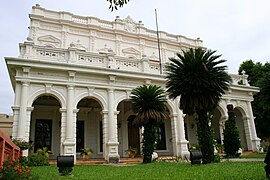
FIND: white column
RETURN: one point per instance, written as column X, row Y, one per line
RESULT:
column 63, row 121
column 182, row 142
column 27, row 127
column 23, row 114
column 254, row 139
column 222, row 127
column 247, row 132
column 113, row 156
column 16, row 117
column 70, row 141
column 174, row 130
column 16, row 109
column 69, row 127
column 105, row 130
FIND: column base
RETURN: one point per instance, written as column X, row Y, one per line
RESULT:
column 256, row 144
column 113, row 159
column 183, row 149
column 112, row 156
column 69, row 147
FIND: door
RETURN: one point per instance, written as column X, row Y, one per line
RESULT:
column 43, row 134
column 133, row 134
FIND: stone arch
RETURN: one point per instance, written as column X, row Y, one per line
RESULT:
column 53, row 92
column 120, row 99
column 96, row 96
column 89, row 125
column 170, row 106
column 45, row 122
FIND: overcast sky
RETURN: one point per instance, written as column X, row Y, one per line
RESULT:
column 237, row 29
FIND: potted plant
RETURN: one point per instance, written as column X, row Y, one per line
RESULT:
column 132, row 152
column 86, row 153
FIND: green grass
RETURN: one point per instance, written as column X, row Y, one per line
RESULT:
column 254, row 155
column 162, row 170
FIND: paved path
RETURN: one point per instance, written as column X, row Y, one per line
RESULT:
column 244, row 160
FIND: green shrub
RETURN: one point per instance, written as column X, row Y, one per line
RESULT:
column 37, row 160
column 231, row 135
column 217, row 158
column 23, row 145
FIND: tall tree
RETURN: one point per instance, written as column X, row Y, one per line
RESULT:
column 258, row 76
column 149, row 106
column 197, row 76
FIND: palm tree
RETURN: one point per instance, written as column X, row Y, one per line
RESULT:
column 149, row 106
column 200, row 80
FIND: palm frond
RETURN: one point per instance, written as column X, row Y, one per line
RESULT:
column 198, row 77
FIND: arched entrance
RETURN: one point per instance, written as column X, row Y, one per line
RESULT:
column 128, row 132
column 130, row 135
column 89, row 133
column 45, row 124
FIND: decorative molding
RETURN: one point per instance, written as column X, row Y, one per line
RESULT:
column 130, row 25
column 131, row 52
column 78, row 46
column 49, row 40
column 105, row 50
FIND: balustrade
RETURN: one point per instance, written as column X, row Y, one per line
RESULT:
column 102, row 60
column 8, row 149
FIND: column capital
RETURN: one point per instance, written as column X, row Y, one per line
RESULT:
column 110, row 90
column 173, row 115
column 116, row 112
column 62, row 110
column 224, row 118
column 15, row 108
column 30, row 108
column 70, row 86
column 104, row 112
column 25, row 83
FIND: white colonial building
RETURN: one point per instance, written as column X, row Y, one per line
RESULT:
column 73, row 79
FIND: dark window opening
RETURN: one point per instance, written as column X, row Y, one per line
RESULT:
column 43, row 134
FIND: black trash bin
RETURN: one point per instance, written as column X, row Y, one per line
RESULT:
column 196, row 157
column 65, row 164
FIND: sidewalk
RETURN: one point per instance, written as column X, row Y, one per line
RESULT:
column 243, row 160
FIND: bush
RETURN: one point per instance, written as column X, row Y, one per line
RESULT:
column 37, row 160
column 23, row 145
column 13, row 170
column 217, row 158
column 231, row 135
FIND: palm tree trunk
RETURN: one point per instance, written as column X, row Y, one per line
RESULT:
column 149, row 139
column 205, row 137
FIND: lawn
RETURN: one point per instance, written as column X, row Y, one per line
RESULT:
column 161, row 170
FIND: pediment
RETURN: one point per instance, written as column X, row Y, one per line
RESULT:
column 153, row 57
column 129, row 20
column 131, row 51
column 49, row 39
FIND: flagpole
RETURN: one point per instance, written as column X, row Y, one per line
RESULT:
column 158, row 43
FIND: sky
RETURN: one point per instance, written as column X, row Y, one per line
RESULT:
column 237, row 29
